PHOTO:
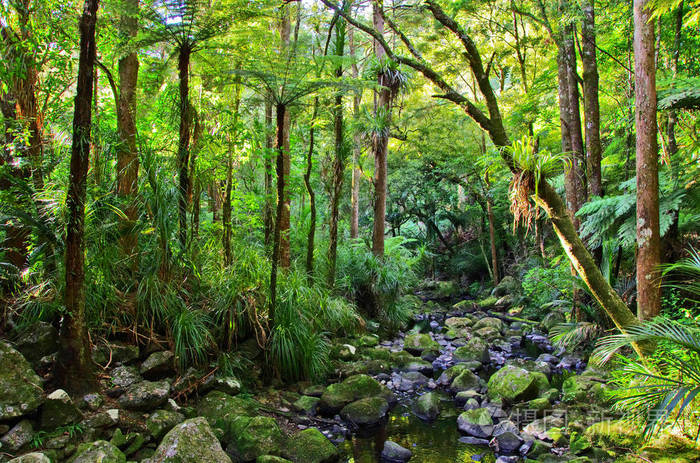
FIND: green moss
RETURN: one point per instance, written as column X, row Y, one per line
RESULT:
column 614, row 434
column 365, row 412
column 260, row 435
column 513, row 384
column 310, row 446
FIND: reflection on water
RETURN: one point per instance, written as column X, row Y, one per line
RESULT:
column 436, row 442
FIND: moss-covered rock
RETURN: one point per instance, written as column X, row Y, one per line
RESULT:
column 670, row 448
column 418, row 342
column 191, row 441
column 37, row 341
column 34, row 457
column 447, row 289
column 508, row 285
column 21, row 390
column 310, row 446
column 476, row 349
column 256, row 436
column 59, row 410
column 614, row 434
column 271, row 459
column 158, row 365
column 306, row 404
column 20, row 435
column 466, row 380
column 489, row 322
column 427, row 406
column 162, row 421
column 583, row 388
column 100, row 451
column 365, row 412
column 513, row 384
column 338, row 395
column 458, row 322
column 476, row 423
column 222, row 410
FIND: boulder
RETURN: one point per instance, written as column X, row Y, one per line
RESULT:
column 21, row 390
column 34, row 457
column 506, row 443
column 145, row 395
column 222, row 410
column 513, row 384
column 458, row 323
column 162, row 421
column 489, row 322
column 271, row 459
column 226, row 384
column 394, row 453
column 427, row 406
column 158, row 365
column 417, row 343
column 59, row 410
column 583, row 388
column 466, row 380
column 20, row 435
column 338, row 395
column 508, row 285
column 100, row 451
column 125, row 376
column 117, row 352
column 191, row 441
column 412, row 381
column 38, row 341
column 310, row 446
column 476, row 423
column 476, row 349
column 365, row 412
column 256, row 436
column 306, row 404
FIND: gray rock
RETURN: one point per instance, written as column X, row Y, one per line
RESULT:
column 115, row 353
column 477, row 423
column 393, row 452
column 365, row 412
column 92, row 401
column 473, row 440
column 226, row 384
column 19, row 436
column 306, row 404
column 145, row 395
column 125, row 376
column 311, row 446
column 158, row 365
column 411, row 381
column 190, row 442
column 59, row 410
column 38, row 341
column 506, row 443
column 21, row 391
column 34, row 457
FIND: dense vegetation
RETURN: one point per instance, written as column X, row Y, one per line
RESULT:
column 215, row 178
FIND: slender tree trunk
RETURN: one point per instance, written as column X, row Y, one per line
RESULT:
column 339, row 160
column 283, row 220
column 648, row 240
column 228, row 227
column 74, row 367
column 127, row 154
column 312, row 196
column 276, row 240
column 267, row 163
column 183, row 153
column 356, row 149
column 380, row 141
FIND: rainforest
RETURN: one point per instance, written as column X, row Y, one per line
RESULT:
column 352, row 231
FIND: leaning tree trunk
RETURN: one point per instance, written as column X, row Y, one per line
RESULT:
column 648, row 240
column 380, row 142
column 183, row 152
column 74, row 367
column 127, row 154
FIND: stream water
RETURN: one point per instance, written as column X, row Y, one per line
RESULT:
column 439, row 441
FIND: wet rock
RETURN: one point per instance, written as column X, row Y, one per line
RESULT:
column 471, row 404
column 489, row 322
column 505, row 426
column 158, row 365
column 221, row 410
column 477, row 423
column 315, row 390
column 506, row 443
column 34, row 457
column 307, row 404
column 412, row 381
column 162, row 421
column 427, row 406
column 548, row 358
column 310, row 446
column 420, row 366
column 125, row 376
column 100, row 451
column 471, row 440
column 59, row 410
column 338, row 395
column 512, row 384
column 190, row 442
column 365, row 412
column 462, row 396
column 458, row 323
column 464, row 381
column 226, row 384
column 37, row 341
column 417, row 343
column 145, row 395
column 20, row 435
column 394, row 453
column 256, row 436
column 21, row 390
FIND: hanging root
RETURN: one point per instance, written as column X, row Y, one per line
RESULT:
column 523, row 209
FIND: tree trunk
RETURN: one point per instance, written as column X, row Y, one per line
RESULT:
column 283, row 220
column 228, row 226
column 267, row 165
column 356, row 149
column 648, row 240
column 312, row 196
column 74, row 367
column 380, row 141
column 276, row 240
column 183, row 152
column 127, row 154
column 339, row 159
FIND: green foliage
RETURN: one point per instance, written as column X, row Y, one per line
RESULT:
column 664, row 386
column 542, row 285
